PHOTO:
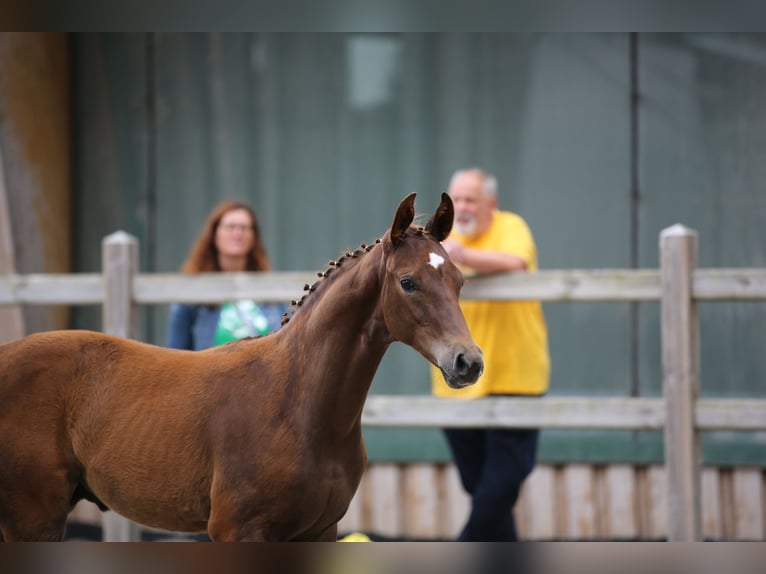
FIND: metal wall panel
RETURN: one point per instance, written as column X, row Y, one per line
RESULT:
column 110, row 149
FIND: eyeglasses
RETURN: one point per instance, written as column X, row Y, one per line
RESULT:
column 231, row 227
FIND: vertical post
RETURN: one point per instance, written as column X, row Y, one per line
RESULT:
column 119, row 263
column 680, row 360
column 11, row 317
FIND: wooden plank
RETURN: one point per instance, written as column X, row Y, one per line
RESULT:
column 383, row 496
column 537, row 517
column 728, row 508
column 711, row 504
column 420, row 501
column 620, row 502
column 569, row 285
column 272, row 286
column 580, row 502
column 748, row 504
column 513, row 412
column 643, row 503
column 680, row 360
column 549, row 285
column 164, row 288
column 730, row 284
column 52, row 289
column 459, row 503
column 658, row 502
column 731, row 414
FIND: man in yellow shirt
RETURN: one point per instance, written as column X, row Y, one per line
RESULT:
column 493, row 463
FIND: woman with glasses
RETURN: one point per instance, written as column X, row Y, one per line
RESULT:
column 229, row 241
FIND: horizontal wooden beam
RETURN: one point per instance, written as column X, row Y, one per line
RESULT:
column 731, row 414
column 575, row 285
column 216, row 287
column 729, row 284
column 614, row 285
column 273, row 286
column 556, row 412
column 52, row 289
column 514, row 412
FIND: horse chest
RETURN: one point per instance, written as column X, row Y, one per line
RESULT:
column 319, row 491
column 330, row 495
column 326, row 480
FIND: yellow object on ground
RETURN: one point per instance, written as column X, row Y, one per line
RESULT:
column 355, row 537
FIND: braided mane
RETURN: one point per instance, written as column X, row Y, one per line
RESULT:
column 335, row 265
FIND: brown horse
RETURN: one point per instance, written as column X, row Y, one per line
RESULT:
column 259, row 439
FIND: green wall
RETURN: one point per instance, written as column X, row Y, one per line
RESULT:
column 325, row 133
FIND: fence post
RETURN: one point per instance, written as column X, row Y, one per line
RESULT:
column 11, row 317
column 119, row 262
column 680, row 366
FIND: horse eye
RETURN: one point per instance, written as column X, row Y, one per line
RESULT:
column 408, row 285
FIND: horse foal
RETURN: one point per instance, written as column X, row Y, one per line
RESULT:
column 259, row 439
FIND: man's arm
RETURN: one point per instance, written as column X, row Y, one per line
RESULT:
column 482, row 261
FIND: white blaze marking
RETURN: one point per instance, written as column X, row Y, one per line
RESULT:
column 435, row 260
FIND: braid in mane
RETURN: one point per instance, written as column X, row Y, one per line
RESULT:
column 333, row 266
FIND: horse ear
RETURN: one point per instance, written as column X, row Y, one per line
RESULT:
column 441, row 223
column 405, row 213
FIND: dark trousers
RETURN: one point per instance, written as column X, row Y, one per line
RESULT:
column 493, row 464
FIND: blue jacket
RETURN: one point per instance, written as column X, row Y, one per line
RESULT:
column 193, row 327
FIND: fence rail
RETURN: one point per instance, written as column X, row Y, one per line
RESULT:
column 549, row 285
column 678, row 285
column 607, row 413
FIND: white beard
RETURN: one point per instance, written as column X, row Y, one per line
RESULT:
column 467, row 226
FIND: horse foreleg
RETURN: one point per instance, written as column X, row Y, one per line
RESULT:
column 222, row 526
column 32, row 520
column 227, row 532
column 48, row 532
column 35, row 507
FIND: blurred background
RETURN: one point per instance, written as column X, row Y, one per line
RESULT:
column 599, row 141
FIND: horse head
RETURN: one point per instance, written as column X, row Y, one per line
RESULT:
column 420, row 295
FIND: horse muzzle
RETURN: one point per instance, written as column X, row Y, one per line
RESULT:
column 465, row 370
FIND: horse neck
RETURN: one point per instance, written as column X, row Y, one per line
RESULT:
column 337, row 339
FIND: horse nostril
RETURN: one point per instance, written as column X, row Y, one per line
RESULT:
column 461, row 365
column 468, row 368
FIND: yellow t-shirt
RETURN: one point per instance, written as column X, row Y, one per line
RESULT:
column 513, row 335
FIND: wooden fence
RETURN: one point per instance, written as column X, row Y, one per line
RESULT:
column 678, row 285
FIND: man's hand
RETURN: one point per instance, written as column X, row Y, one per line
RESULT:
column 455, row 250
column 481, row 261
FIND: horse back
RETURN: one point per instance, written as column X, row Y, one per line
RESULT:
column 57, row 369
